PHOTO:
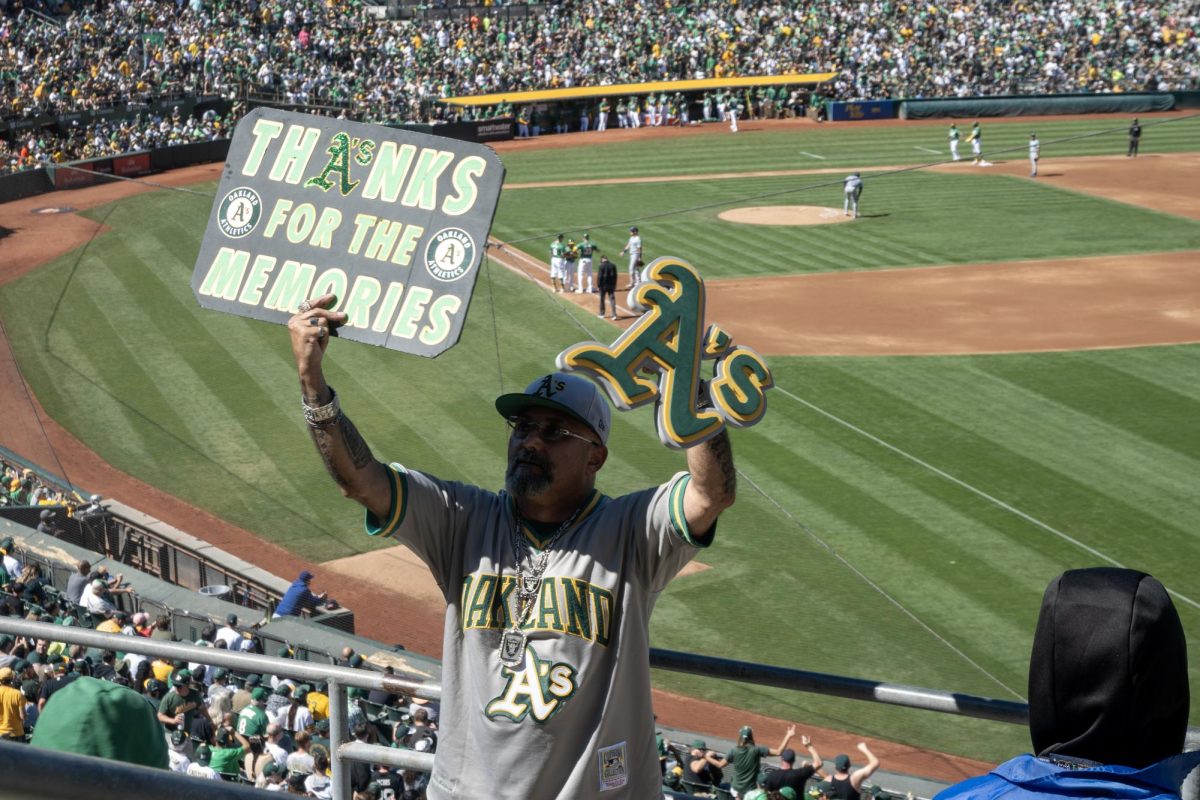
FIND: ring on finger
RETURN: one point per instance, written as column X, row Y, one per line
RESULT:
column 305, row 307
column 320, row 333
column 314, row 321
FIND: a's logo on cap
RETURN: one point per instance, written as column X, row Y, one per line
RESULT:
column 239, row 212
column 549, row 387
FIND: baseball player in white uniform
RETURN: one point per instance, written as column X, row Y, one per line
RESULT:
column 1035, row 152
column 953, row 136
column 549, row 584
column 558, row 263
column 586, row 250
column 634, row 248
column 852, row 188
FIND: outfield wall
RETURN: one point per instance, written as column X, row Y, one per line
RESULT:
column 971, row 107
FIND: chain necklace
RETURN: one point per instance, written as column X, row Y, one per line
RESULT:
column 529, row 586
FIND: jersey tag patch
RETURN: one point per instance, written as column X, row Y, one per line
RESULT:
column 614, row 767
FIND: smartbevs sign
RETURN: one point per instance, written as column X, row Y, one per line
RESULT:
column 392, row 222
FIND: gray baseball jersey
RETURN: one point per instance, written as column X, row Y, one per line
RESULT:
column 575, row 720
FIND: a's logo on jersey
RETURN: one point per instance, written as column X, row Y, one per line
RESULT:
column 239, row 212
column 450, row 254
column 539, row 688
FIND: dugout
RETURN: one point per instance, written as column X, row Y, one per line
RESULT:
column 569, row 102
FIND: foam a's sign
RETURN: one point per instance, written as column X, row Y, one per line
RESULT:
column 659, row 359
column 392, row 222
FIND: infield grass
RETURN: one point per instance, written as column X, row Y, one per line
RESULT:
column 898, row 518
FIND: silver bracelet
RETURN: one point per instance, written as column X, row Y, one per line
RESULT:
column 320, row 416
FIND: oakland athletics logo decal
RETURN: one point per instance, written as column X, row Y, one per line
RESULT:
column 450, row 254
column 239, row 212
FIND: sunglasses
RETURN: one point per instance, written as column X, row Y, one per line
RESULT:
column 522, row 427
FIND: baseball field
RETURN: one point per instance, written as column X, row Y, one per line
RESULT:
column 984, row 381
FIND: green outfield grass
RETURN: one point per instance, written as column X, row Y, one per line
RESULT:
column 898, row 518
column 912, row 219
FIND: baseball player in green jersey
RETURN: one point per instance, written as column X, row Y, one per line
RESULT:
column 953, row 136
column 548, row 583
column 602, row 114
column 977, row 142
column 586, row 250
column 621, row 120
column 558, row 263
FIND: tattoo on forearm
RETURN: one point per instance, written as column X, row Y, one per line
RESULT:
column 322, row 439
column 360, row 454
column 723, row 452
column 355, row 446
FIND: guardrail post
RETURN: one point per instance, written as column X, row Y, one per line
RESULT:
column 337, row 737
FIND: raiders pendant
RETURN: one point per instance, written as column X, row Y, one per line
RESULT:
column 512, row 649
column 529, row 585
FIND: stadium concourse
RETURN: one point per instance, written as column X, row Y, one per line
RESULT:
column 334, row 57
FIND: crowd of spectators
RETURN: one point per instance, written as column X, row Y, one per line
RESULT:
column 101, row 138
column 267, row 730
column 332, row 54
column 21, row 486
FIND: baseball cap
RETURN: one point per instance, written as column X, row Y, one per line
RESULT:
column 97, row 584
column 219, row 673
column 633, row 229
column 6, row 674
column 120, row 726
column 699, row 744
column 204, row 754
column 253, row 679
column 788, row 793
column 181, row 677
column 356, row 660
column 231, row 619
column 788, row 755
column 842, row 762
column 306, row 576
column 259, row 694
column 271, row 768
column 746, row 732
column 301, row 693
column 561, row 391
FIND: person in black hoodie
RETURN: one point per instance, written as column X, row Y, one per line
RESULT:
column 1108, row 696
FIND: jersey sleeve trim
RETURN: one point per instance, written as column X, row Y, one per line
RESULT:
column 679, row 519
column 398, row 481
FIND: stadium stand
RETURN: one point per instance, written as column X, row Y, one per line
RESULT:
column 336, row 58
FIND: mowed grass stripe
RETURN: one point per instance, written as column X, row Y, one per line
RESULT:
column 1005, row 468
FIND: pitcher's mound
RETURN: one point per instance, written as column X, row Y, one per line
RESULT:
column 784, row 215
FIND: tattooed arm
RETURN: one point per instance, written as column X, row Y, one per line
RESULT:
column 346, row 455
column 713, row 485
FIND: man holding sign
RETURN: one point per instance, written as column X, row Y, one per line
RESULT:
column 550, row 584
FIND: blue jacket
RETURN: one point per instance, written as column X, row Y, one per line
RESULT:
column 296, row 599
column 1029, row 778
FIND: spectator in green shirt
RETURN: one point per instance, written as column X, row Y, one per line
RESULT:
column 747, row 757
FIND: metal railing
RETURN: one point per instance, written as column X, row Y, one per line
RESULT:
column 127, row 777
column 338, row 679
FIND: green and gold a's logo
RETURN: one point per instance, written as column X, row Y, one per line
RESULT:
column 659, row 358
